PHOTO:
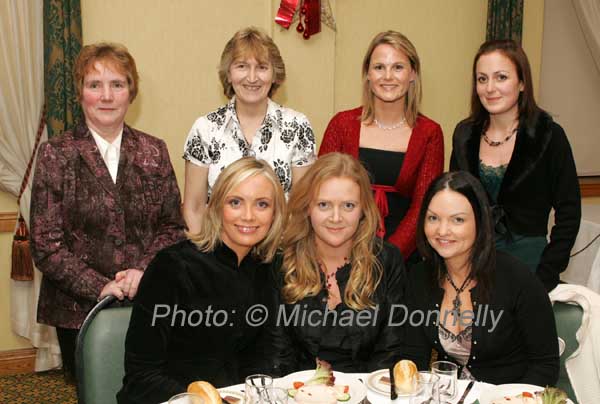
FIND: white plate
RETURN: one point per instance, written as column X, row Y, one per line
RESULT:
column 232, row 393
column 374, row 383
column 357, row 391
column 508, row 390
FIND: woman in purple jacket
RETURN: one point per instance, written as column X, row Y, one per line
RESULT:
column 105, row 199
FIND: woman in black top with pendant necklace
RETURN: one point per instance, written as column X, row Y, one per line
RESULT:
column 494, row 318
column 339, row 280
column 188, row 321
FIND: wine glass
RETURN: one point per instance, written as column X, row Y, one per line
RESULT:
column 427, row 391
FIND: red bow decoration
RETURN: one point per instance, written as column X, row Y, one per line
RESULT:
column 310, row 11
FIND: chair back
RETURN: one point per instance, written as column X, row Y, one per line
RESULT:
column 568, row 320
column 100, row 353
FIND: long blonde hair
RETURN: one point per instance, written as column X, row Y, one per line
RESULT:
column 302, row 276
column 209, row 235
column 414, row 94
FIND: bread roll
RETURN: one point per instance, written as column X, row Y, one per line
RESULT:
column 405, row 376
column 207, row 391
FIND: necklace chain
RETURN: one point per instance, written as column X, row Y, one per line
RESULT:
column 391, row 127
column 457, row 302
column 493, row 143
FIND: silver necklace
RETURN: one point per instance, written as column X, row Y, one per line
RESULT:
column 456, row 303
column 391, row 127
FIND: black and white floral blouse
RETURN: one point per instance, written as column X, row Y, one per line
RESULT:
column 284, row 140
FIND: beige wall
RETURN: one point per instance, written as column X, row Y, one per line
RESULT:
column 177, row 45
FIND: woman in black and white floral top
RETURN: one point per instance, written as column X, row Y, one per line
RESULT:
column 251, row 124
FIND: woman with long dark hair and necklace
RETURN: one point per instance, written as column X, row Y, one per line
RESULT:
column 523, row 159
column 495, row 320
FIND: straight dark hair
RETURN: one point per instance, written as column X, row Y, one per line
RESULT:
column 482, row 257
column 528, row 108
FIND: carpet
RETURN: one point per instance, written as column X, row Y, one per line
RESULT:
column 37, row 388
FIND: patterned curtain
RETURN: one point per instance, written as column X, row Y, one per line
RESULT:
column 505, row 20
column 62, row 43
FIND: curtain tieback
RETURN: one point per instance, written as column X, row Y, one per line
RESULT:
column 22, row 264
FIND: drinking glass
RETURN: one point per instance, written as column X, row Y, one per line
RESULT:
column 427, row 391
column 255, row 384
column 448, row 372
column 186, row 398
column 274, row 395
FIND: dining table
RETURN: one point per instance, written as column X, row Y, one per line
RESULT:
column 377, row 398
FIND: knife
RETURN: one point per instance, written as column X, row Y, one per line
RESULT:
column 393, row 394
column 466, row 393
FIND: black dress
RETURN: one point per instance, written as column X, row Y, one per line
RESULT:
column 205, row 336
column 352, row 341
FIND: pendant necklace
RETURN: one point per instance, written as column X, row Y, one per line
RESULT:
column 391, row 127
column 456, row 303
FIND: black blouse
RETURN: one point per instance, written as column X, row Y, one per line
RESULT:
column 198, row 303
column 352, row 341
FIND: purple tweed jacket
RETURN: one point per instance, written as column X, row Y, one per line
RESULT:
column 85, row 228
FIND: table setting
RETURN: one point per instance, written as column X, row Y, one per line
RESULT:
column 439, row 385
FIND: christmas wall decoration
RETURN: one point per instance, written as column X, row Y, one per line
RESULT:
column 309, row 13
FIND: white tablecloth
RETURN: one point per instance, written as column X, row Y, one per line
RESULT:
column 375, row 398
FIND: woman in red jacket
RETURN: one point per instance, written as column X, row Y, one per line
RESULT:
column 402, row 149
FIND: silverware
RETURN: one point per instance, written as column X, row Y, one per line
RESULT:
column 393, row 394
column 466, row 392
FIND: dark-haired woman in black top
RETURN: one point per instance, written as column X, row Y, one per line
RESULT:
column 495, row 319
column 523, row 159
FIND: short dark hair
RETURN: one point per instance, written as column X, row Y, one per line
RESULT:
column 528, row 108
column 483, row 253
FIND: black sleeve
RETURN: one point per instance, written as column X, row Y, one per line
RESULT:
column 146, row 344
column 388, row 347
column 415, row 344
column 566, row 201
column 274, row 352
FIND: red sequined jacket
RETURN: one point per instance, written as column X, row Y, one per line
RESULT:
column 85, row 228
column 424, row 161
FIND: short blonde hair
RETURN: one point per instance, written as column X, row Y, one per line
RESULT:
column 251, row 42
column 112, row 54
column 414, row 95
column 302, row 276
column 209, row 236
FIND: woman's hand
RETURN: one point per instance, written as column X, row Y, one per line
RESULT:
column 129, row 280
column 111, row 288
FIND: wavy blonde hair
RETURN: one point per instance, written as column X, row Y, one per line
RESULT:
column 414, row 94
column 302, row 275
column 209, row 236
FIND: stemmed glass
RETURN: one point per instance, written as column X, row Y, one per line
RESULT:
column 255, row 385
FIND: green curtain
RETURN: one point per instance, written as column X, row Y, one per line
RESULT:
column 505, row 20
column 62, row 43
